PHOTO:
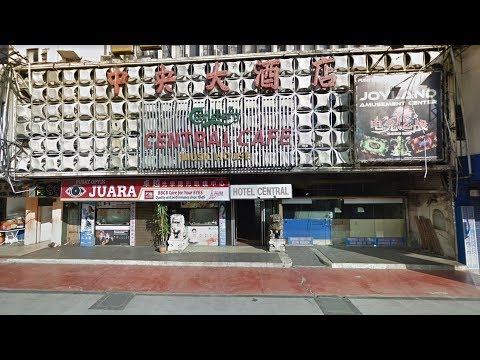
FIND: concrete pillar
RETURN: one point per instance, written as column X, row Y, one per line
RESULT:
column 31, row 220
column 57, row 223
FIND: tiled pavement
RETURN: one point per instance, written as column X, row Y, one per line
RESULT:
column 310, row 272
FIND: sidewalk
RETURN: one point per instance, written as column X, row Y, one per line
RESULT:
column 242, row 270
column 233, row 256
column 229, row 281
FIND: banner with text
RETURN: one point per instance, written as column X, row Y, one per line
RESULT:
column 196, row 189
column 398, row 117
column 219, row 133
column 264, row 191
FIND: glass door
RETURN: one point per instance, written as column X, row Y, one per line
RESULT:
column 248, row 222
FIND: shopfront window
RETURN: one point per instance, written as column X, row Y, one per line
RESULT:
column 203, row 217
column 364, row 223
column 109, row 216
column 334, row 221
column 112, row 224
column 317, row 209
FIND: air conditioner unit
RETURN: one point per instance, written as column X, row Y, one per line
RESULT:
column 150, row 47
column 149, row 54
column 106, row 58
column 122, row 49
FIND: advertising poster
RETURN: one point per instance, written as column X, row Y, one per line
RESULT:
column 222, row 225
column 203, row 235
column 470, row 238
column 87, row 224
column 112, row 237
column 398, row 117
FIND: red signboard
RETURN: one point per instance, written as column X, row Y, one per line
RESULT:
column 154, row 189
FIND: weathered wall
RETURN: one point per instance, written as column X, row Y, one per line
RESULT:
column 425, row 205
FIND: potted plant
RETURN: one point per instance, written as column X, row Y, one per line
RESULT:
column 160, row 227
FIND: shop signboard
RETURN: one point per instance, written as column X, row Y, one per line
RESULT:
column 249, row 120
column 152, row 189
column 46, row 190
column 261, row 191
column 219, row 133
column 398, row 117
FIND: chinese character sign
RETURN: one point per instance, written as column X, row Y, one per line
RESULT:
column 267, row 74
column 163, row 79
column 215, row 78
column 398, row 117
column 116, row 79
column 323, row 75
column 232, row 128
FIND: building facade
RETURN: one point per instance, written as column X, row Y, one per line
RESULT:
column 467, row 188
column 348, row 145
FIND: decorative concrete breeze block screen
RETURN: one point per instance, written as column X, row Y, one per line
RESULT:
column 76, row 122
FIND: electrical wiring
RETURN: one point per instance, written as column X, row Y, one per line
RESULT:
column 412, row 77
column 8, row 83
column 423, row 130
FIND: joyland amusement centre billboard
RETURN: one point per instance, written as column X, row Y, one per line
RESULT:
column 398, row 117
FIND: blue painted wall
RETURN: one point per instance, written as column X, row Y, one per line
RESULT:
column 465, row 183
column 320, row 229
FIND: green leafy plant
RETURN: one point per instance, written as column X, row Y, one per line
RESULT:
column 160, row 225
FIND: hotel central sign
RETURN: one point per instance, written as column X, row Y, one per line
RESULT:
column 266, row 191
